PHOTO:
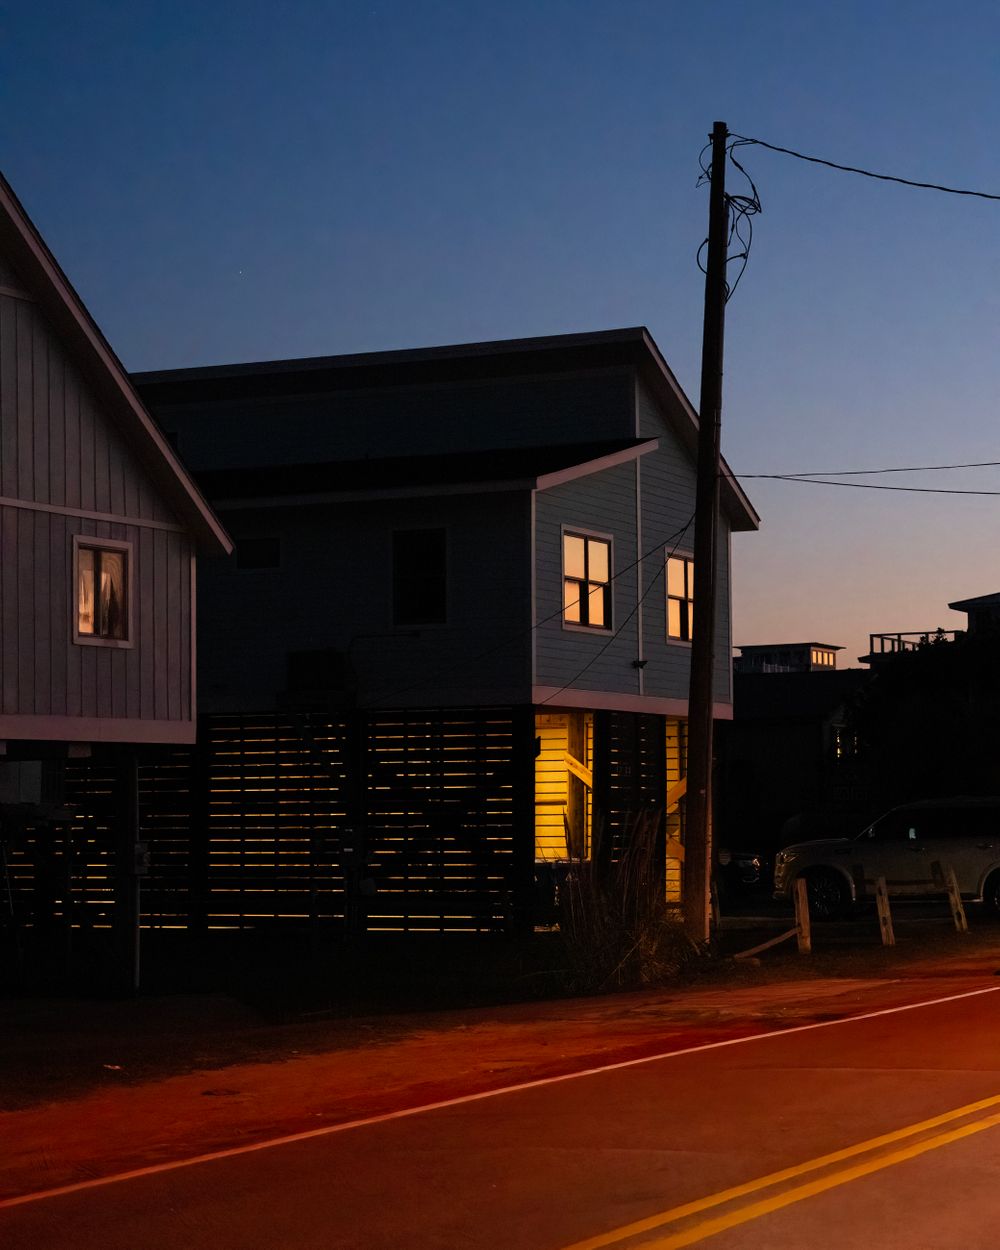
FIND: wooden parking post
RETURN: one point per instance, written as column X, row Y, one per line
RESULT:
column 714, row 903
column 884, row 914
column 946, row 881
column 803, row 930
column 955, row 901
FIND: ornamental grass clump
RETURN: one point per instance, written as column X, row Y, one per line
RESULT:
column 616, row 925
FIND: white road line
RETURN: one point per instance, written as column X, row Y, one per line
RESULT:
column 328, row 1130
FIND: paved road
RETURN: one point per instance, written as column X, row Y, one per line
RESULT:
column 881, row 1130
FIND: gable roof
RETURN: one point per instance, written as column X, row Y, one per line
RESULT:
column 527, row 468
column 24, row 247
column 558, row 353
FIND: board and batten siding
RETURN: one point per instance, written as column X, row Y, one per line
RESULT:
column 667, row 484
column 66, row 470
column 602, row 503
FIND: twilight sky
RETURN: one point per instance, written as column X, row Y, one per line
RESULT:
column 234, row 181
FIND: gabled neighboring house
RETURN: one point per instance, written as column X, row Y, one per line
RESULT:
column 482, row 554
column 99, row 526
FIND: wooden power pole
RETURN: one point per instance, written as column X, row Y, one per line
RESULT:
column 698, row 833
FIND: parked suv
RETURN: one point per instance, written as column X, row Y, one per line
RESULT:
column 960, row 833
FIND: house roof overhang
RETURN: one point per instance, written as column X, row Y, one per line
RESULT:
column 563, row 353
column 980, row 601
column 65, row 311
column 397, row 477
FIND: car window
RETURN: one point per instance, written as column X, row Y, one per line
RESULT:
column 934, row 822
column 892, row 827
column 969, row 822
column 940, row 823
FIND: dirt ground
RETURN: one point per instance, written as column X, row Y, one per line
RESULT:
column 92, row 1088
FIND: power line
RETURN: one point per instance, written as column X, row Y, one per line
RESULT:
column 520, row 635
column 742, row 210
column 652, row 582
column 912, row 468
column 920, row 490
column 866, row 173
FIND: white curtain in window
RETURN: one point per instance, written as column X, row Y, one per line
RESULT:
column 112, row 598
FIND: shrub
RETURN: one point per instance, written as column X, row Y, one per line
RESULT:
column 616, row 926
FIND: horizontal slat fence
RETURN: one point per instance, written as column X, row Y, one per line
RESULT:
column 382, row 822
column 401, row 822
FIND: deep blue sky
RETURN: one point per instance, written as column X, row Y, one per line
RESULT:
column 241, row 181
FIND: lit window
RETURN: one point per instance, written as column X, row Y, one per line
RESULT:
column 680, row 598
column 586, row 581
column 419, row 584
column 102, row 592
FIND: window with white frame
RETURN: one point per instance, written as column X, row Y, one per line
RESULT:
column 586, row 581
column 103, row 587
column 680, row 598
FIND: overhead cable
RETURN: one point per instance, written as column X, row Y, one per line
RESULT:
column 911, row 468
column 511, row 641
column 865, row 173
column 816, row 481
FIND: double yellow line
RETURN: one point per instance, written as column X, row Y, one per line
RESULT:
column 673, row 1237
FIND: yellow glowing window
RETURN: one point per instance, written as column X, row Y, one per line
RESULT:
column 102, row 593
column 587, row 581
column 680, row 598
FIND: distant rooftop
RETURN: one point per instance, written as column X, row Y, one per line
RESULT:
column 789, row 646
column 787, row 657
column 980, row 601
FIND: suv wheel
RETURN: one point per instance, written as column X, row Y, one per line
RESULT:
column 829, row 896
column 991, row 894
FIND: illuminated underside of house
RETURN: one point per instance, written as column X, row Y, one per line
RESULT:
column 564, row 793
column 421, row 821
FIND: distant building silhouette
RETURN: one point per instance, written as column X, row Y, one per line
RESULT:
column 787, row 657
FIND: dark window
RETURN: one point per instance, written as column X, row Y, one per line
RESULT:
column 419, row 583
column 586, row 581
column 102, row 593
column 258, row 553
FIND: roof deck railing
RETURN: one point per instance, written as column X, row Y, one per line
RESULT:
column 912, row 640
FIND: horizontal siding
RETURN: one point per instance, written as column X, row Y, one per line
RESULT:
column 402, row 421
column 333, row 591
column 668, row 500
column 583, row 660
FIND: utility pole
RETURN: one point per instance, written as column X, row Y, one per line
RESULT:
column 698, row 833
